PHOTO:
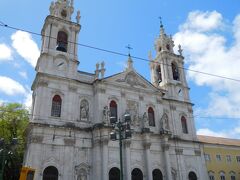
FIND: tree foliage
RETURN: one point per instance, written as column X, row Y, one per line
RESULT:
column 13, row 123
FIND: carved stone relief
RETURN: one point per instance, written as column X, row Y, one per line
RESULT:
column 82, row 171
column 132, row 79
column 132, row 109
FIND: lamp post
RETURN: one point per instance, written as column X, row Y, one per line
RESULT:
column 121, row 131
column 5, row 150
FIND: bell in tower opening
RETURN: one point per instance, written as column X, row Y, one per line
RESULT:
column 62, row 41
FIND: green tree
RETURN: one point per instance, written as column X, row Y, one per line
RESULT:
column 13, row 123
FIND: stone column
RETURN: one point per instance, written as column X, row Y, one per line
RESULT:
column 127, row 172
column 180, row 165
column 147, row 146
column 96, row 164
column 165, row 148
column 104, row 158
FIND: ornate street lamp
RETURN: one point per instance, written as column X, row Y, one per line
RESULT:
column 121, row 131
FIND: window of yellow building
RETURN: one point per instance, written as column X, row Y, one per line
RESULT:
column 207, row 157
column 218, row 157
column 233, row 175
column 238, row 159
column 229, row 159
column 222, row 175
column 211, row 175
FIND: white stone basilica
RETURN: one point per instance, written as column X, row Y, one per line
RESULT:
column 69, row 132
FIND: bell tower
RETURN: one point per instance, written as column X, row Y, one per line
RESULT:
column 167, row 70
column 59, row 40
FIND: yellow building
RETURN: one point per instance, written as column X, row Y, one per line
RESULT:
column 222, row 157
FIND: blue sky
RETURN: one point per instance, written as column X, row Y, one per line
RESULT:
column 209, row 32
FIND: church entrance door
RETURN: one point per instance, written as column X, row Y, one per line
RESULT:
column 137, row 174
column 114, row 174
column 50, row 173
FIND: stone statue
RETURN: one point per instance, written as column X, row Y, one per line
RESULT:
column 105, row 114
column 51, row 8
column 78, row 16
column 164, row 124
column 82, row 177
column 84, row 109
column 145, row 120
column 82, row 171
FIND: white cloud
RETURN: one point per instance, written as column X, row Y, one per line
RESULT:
column 10, row 86
column 207, row 51
column 28, row 100
column 234, row 133
column 26, row 47
column 203, row 21
column 208, row 132
column 236, row 28
column 5, row 52
column 23, row 74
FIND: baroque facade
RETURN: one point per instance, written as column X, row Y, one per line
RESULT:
column 68, row 136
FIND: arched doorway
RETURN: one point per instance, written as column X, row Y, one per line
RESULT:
column 114, row 174
column 157, row 174
column 192, row 176
column 50, row 173
column 137, row 174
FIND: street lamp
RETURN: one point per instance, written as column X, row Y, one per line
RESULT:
column 121, row 131
column 6, row 150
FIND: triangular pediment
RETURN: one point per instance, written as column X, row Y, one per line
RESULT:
column 130, row 79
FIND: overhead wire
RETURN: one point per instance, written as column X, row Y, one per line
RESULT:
column 119, row 53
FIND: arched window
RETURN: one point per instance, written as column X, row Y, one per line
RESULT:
column 62, row 41
column 157, row 174
column 137, row 174
column 159, row 74
column 175, row 72
column 222, row 175
column 114, row 174
column 232, row 175
column 211, row 175
column 113, row 109
column 192, row 176
column 151, row 117
column 56, row 106
column 50, row 173
column 184, row 125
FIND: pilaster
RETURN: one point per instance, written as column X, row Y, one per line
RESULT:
column 127, row 145
column 104, row 143
column 165, row 147
column 147, row 145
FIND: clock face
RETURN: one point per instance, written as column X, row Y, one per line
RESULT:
column 179, row 92
column 60, row 64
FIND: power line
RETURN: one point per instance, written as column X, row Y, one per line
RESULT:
column 119, row 53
